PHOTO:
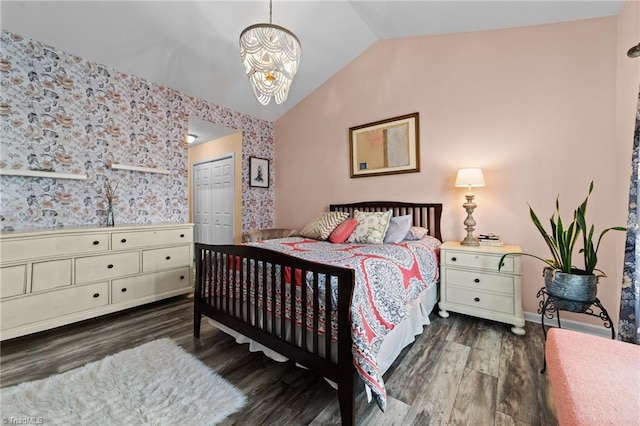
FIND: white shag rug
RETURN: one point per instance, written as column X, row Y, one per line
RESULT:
column 158, row 383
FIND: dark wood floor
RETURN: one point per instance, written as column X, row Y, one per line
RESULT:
column 460, row 371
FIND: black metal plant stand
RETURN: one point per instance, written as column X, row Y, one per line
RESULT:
column 550, row 307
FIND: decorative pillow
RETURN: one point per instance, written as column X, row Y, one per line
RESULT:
column 321, row 227
column 416, row 233
column 371, row 227
column 398, row 228
column 342, row 231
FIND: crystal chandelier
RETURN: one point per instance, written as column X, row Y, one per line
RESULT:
column 270, row 54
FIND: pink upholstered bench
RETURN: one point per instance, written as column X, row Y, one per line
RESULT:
column 595, row 381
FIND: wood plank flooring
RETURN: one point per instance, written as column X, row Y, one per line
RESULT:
column 460, row 371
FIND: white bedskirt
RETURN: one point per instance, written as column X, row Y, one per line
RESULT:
column 394, row 342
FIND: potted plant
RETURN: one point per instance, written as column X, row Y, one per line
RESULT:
column 575, row 287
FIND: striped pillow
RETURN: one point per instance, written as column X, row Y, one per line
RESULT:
column 321, row 227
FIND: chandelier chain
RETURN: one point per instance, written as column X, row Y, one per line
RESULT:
column 270, row 10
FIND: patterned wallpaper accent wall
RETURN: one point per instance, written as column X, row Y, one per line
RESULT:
column 62, row 113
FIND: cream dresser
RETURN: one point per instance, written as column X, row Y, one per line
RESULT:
column 54, row 277
column 471, row 284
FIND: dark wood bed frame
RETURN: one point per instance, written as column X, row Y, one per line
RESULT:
column 218, row 267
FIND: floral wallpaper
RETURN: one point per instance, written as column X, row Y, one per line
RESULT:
column 61, row 113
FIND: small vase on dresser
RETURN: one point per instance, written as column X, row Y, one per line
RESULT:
column 110, row 219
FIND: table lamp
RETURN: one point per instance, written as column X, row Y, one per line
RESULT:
column 469, row 178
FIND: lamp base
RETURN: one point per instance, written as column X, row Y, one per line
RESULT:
column 470, row 241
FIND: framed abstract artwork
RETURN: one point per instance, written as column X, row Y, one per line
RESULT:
column 258, row 172
column 385, row 147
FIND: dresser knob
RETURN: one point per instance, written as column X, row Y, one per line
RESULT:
column 182, row 277
column 477, row 280
column 95, row 243
column 168, row 257
column 109, row 266
column 476, row 299
column 124, row 290
column 96, row 295
column 453, row 259
column 181, row 235
column 124, row 240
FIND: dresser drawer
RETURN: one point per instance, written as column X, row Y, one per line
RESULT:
column 137, row 239
column 165, row 258
column 477, row 299
column 13, row 280
column 48, row 275
column 97, row 268
column 52, row 304
column 478, row 260
column 126, row 289
column 476, row 280
column 62, row 245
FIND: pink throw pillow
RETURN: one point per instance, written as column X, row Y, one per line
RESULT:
column 342, row 231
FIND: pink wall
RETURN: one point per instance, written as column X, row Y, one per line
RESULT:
column 534, row 107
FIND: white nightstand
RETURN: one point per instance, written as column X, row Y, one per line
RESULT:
column 471, row 284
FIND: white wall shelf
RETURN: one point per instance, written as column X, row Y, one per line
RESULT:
column 116, row 166
column 39, row 173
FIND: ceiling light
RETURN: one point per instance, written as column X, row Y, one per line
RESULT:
column 191, row 138
column 270, row 54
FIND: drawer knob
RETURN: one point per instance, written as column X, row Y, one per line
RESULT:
column 96, row 295
column 453, row 259
column 124, row 290
column 476, row 299
column 181, row 235
column 95, row 243
column 110, row 266
column 182, row 277
column 168, row 257
column 477, row 280
column 124, row 240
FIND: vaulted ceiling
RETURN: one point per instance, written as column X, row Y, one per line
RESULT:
column 192, row 46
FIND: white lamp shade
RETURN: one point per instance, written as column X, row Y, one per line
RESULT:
column 470, row 178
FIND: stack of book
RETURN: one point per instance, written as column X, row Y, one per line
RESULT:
column 491, row 240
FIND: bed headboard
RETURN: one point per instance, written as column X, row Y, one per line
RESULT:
column 425, row 215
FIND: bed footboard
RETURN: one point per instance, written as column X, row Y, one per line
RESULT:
column 298, row 308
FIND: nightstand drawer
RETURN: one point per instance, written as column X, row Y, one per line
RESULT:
column 477, row 260
column 476, row 299
column 475, row 280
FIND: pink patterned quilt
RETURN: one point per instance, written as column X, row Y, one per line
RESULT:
column 388, row 278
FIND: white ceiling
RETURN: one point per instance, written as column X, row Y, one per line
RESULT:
column 192, row 46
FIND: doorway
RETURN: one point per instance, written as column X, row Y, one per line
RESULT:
column 213, row 200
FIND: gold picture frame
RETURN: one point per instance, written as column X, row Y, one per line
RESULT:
column 385, row 147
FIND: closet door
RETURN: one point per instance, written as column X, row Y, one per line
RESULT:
column 202, row 232
column 213, row 201
column 222, row 201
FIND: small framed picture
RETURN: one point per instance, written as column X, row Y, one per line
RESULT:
column 258, row 172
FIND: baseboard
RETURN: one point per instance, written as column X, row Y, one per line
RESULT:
column 571, row 325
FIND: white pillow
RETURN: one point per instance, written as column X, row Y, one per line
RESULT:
column 398, row 228
column 416, row 233
column 371, row 228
